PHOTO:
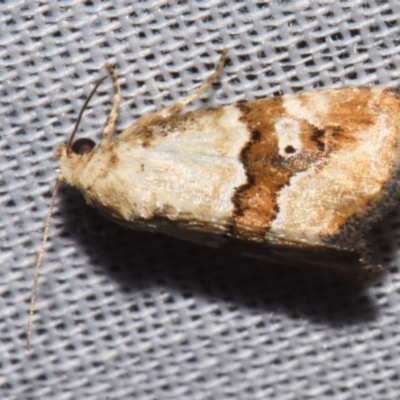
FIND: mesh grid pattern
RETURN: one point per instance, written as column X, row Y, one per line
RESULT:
column 122, row 314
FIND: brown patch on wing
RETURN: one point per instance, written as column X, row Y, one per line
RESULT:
column 338, row 117
column 255, row 202
column 268, row 171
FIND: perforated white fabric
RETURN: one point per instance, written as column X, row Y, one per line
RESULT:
column 128, row 315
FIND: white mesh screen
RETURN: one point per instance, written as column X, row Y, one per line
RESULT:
column 122, row 314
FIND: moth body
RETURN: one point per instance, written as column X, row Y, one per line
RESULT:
column 296, row 179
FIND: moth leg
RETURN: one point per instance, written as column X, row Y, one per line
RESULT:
column 112, row 117
column 180, row 105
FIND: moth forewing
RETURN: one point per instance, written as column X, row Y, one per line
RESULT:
column 300, row 174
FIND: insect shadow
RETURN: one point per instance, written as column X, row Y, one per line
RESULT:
column 142, row 260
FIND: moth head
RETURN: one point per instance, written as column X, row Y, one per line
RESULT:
column 76, row 150
column 73, row 160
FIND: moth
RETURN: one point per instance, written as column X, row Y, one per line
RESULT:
column 295, row 180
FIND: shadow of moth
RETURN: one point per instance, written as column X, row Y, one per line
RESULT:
column 295, row 180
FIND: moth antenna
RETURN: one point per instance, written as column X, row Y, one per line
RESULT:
column 40, row 260
column 83, row 108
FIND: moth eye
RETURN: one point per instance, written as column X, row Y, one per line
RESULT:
column 83, row 146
